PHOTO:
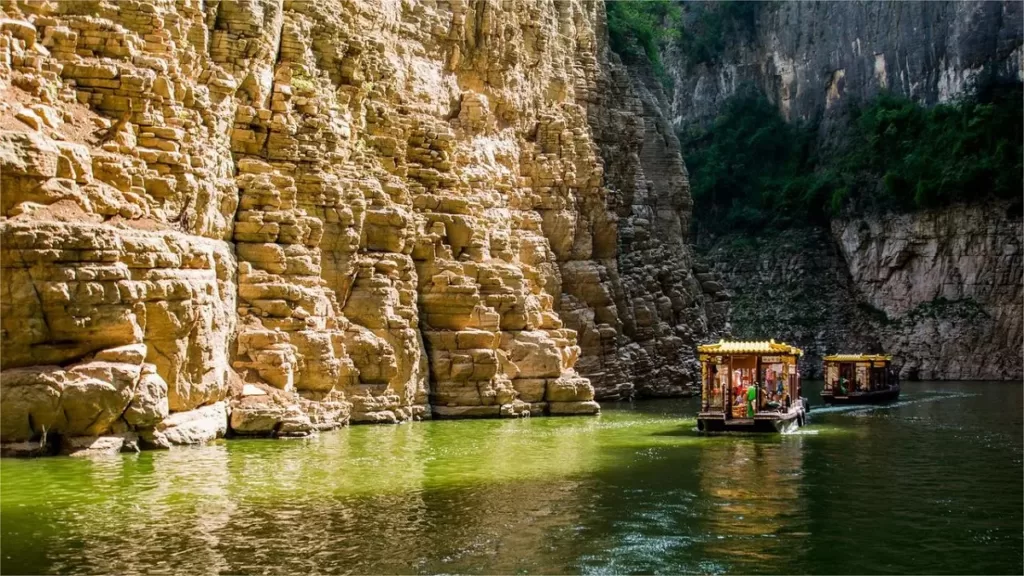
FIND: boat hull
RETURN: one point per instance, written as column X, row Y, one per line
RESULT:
column 770, row 423
column 873, row 397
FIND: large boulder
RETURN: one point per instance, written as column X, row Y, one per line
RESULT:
column 191, row 427
column 83, row 400
column 149, row 406
column 264, row 415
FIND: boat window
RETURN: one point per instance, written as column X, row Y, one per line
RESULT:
column 831, row 376
column 744, row 374
column 775, row 393
column 846, row 382
column 863, row 376
column 720, row 382
column 878, row 379
column 712, row 384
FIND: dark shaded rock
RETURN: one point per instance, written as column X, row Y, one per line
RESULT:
column 811, row 58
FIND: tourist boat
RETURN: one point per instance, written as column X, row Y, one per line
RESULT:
column 750, row 387
column 859, row 379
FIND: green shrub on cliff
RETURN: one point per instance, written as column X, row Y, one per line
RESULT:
column 929, row 157
column 713, row 25
column 751, row 169
column 637, row 29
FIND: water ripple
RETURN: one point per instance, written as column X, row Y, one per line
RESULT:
column 930, row 484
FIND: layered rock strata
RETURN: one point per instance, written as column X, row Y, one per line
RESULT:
column 946, row 288
column 793, row 287
column 640, row 329
column 941, row 290
column 288, row 216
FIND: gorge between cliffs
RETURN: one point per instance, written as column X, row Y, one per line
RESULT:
column 496, row 233
column 277, row 217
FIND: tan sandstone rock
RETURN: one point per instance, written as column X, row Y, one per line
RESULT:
column 381, row 211
column 191, row 427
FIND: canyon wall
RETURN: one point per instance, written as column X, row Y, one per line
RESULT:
column 656, row 303
column 941, row 290
column 794, row 287
column 811, row 58
column 269, row 217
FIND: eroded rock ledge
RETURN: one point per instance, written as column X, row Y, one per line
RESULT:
column 272, row 217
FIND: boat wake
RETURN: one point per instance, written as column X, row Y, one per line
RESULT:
column 857, row 410
column 801, row 432
column 832, row 409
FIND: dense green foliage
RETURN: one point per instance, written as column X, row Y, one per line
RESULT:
column 928, row 157
column 641, row 28
column 713, row 24
column 638, row 28
column 752, row 169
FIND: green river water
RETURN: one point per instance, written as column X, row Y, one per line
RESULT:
column 932, row 484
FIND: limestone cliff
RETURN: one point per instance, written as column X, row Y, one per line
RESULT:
column 287, row 215
column 793, row 287
column 810, row 58
column 941, row 290
column 945, row 288
column 640, row 328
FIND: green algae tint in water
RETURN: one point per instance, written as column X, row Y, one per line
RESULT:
column 932, row 484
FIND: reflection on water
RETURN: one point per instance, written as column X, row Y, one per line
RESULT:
column 929, row 485
column 755, row 487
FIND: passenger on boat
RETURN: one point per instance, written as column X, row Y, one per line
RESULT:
column 751, row 398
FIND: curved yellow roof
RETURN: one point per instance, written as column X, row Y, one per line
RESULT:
column 761, row 347
column 858, row 358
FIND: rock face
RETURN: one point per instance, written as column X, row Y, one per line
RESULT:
column 948, row 286
column 941, row 290
column 793, row 287
column 638, row 303
column 810, row 58
column 371, row 212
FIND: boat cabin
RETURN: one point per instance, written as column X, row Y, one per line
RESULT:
column 750, row 386
column 859, row 379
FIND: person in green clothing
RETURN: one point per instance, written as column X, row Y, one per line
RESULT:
column 751, row 397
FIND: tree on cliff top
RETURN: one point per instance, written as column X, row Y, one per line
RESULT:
column 709, row 27
column 638, row 29
column 751, row 169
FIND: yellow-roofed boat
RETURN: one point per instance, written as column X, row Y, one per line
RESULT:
column 750, row 387
column 859, row 379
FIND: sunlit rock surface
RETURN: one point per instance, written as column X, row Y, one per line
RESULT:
column 379, row 211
